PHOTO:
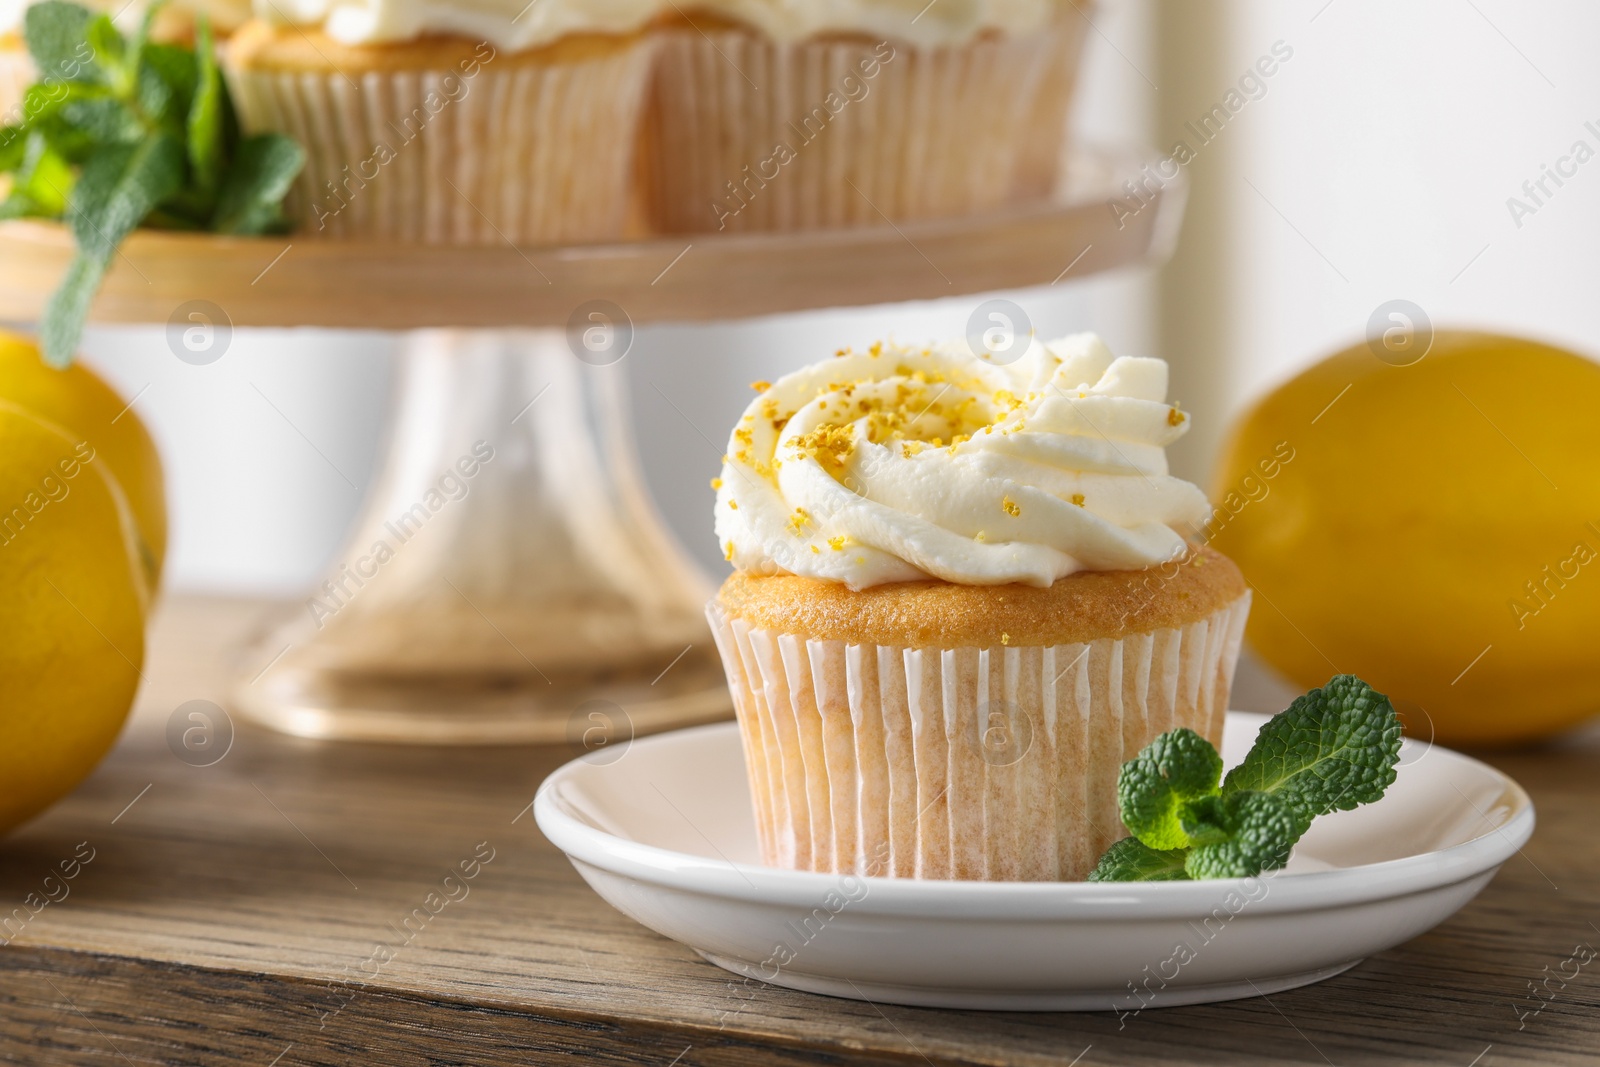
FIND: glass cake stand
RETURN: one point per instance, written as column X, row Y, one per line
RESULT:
column 508, row 579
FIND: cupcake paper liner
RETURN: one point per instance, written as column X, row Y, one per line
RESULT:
column 995, row 764
column 522, row 151
column 1040, row 163
column 748, row 134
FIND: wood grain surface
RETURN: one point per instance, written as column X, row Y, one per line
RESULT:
column 230, row 914
column 297, row 280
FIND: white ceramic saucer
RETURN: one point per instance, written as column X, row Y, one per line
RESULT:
column 663, row 831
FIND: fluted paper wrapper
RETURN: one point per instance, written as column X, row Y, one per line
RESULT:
column 1040, row 162
column 529, row 152
column 995, row 764
column 748, row 134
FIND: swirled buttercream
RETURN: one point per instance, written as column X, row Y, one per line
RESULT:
column 898, row 464
column 513, row 25
column 948, row 22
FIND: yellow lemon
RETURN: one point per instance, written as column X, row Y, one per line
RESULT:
column 1433, row 528
column 82, row 403
column 72, row 625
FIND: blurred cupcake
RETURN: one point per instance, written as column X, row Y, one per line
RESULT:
column 780, row 115
column 17, row 72
column 963, row 598
column 452, row 123
column 1041, row 161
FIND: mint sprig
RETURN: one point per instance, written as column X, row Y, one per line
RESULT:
column 1333, row 749
column 126, row 132
column 119, row 186
column 1131, row 860
column 1158, row 788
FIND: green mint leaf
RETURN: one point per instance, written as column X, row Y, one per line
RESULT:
column 157, row 100
column 1205, row 820
column 95, row 120
column 1333, row 749
column 1257, row 831
column 57, row 37
column 1156, row 786
column 132, row 53
column 68, row 308
column 43, row 100
column 169, row 78
column 44, row 180
column 1130, row 860
column 16, row 207
column 119, row 186
column 251, row 199
column 72, row 144
column 187, row 209
column 204, row 123
column 110, row 54
column 120, row 133
column 13, row 147
column 180, row 212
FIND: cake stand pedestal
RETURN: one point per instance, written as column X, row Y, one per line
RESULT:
column 508, row 578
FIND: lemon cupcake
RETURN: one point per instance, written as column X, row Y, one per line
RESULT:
column 17, row 72
column 452, row 123
column 783, row 115
column 963, row 597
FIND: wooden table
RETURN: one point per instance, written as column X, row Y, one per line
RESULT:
column 229, row 916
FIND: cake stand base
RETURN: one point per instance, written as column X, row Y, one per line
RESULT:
column 507, row 579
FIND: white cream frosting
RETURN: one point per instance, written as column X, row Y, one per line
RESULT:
column 519, row 24
column 898, row 464
column 912, row 21
column 512, row 25
column 942, row 22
